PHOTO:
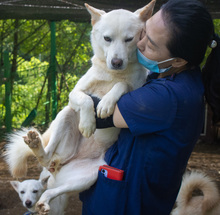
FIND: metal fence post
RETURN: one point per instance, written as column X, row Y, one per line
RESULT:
column 53, row 69
column 7, row 75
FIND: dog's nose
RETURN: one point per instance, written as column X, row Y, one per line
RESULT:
column 117, row 63
column 28, row 203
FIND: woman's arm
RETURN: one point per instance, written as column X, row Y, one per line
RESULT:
column 118, row 119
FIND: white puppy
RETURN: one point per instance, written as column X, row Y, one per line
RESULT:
column 31, row 190
column 73, row 158
column 206, row 204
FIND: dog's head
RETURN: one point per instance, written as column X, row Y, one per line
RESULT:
column 30, row 191
column 116, row 33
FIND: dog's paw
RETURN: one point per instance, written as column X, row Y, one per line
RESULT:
column 87, row 127
column 54, row 166
column 87, row 131
column 32, row 139
column 105, row 108
column 42, row 208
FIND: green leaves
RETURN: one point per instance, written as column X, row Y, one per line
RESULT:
column 73, row 60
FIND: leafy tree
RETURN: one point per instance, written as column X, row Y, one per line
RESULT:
column 32, row 63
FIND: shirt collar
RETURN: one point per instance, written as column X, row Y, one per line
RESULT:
column 153, row 76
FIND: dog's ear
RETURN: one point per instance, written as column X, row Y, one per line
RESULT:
column 146, row 12
column 44, row 181
column 95, row 13
column 15, row 185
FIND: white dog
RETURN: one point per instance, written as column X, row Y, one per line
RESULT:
column 74, row 159
column 31, row 190
column 206, row 204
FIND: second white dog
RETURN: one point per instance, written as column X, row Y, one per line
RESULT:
column 31, row 190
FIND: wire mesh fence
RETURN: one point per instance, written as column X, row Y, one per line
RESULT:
column 28, row 44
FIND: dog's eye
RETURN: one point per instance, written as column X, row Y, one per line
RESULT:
column 35, row 191
column 129, row 39
column 108, row 39
column 22, row 192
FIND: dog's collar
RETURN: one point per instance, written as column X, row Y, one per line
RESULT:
column 30, row 213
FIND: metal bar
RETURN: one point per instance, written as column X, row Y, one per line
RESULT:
column 53, row 69
column 7, row 74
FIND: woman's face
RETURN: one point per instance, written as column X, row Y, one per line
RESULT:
column 154, row 38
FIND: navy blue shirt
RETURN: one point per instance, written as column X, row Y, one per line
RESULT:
column 165, row 118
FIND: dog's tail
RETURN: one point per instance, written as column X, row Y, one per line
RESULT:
column 17, row 153
column 198, row 181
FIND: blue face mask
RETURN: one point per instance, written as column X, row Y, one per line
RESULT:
column 150, row 64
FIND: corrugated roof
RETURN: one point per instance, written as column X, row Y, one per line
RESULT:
column 74, row 9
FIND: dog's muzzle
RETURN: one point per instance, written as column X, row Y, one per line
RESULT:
column 117, row 63
column 28, row 204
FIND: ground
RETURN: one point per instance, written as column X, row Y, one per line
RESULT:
column 205, row 157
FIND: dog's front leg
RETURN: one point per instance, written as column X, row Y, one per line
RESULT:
column 43, row 205
column 107, row 104
column 79, row 101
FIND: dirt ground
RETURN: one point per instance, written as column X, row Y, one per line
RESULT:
column 205, row 157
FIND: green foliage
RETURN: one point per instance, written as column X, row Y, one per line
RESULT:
column 217, row 26
column 27, row 89
column 33, row 48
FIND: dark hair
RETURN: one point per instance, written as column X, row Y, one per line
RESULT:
column 191, row 31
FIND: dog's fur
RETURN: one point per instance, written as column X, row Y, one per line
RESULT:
column 73, row 158
column 206, row 204
column 31, row 190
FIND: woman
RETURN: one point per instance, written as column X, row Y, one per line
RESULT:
column 162, row 120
